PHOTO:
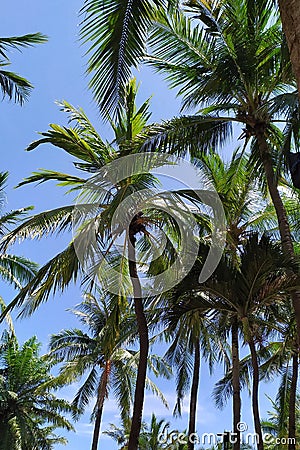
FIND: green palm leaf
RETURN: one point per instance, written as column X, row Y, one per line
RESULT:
column 13, row 85
column 115, row 32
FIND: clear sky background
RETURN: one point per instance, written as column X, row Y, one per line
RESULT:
column 56, row 69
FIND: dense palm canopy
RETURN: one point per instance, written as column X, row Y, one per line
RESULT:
column 12, row 85
column 29, row 412
column 229, row 62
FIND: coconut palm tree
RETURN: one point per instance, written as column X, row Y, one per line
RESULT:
column 277, row 424
column 12, row 85
column 150, row 438
column 154, row 436
column 84, row 143
column 277, row 356
column 29, row 412
column 245, row 211
column 191, row 338
column 245, row 292
column 102, row 358
column 219, row 330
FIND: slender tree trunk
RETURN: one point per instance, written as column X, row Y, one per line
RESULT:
column 96, row 432
column 255, row 383
column 100, row 402
column 292, row 403
column 283, row 224
column 144, row 347
column 287, row 246
column 194, row 394
column 290, row 16
column 236, row 383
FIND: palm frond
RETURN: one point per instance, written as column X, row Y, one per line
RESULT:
column 188, row 134
column 47, row 222
column 17, row 270
column 115, row 32
column 17, row 42
column 14, row 86
column 54, row 275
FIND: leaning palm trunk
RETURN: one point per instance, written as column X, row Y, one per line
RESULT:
column 99, row 406
column 283, row 224
column 292, row 404
column 194, row 395
column 144, row 345
column 236, row 384
column 255, row 382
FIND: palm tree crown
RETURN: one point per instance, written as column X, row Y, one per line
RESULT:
column 29, row 412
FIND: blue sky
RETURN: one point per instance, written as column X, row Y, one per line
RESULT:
column 56, row 69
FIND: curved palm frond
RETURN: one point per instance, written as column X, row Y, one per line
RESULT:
column 115, row 32
column 12, row 85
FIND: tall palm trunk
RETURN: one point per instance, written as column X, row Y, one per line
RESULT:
column 96, row 431
column 255, row 382
column 99, row 405
column 290, row 16
column 236, row 383
column 144, row 344
column 292, row 403
column 194, row 394
column 283, row 224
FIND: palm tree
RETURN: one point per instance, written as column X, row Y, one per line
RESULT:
column 29, row 412
column 96, row 354
column 101, row 357
column 150, row 438
column 13, row 85
column 227, row 322
column 276, row 423
column 83, row 142
column 245, row 211
column 281, row 357
column 155, row 436
column 244, row 292
column 191, row 338
column 277, row 357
